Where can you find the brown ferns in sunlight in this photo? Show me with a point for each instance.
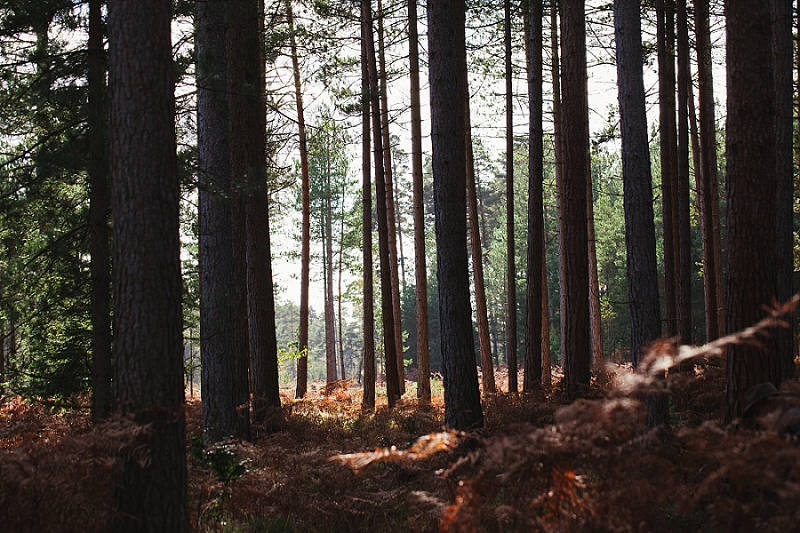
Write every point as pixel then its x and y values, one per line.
pixel 425 447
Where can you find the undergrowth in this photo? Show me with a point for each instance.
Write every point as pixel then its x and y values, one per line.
pixel 538 465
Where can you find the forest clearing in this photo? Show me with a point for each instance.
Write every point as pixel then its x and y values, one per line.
pixel 539 464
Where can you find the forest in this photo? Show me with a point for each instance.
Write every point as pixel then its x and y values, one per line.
pixel 388 265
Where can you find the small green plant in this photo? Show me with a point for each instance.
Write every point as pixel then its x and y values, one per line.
pixel 219 458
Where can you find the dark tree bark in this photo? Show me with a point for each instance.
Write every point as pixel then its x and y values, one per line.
pixel 684 240
pixel 533 304
pixel 708 184
pixel 750 146
pixel 511 268
pixel 387 308
pixel 216 252
pixel 394 259
pixel 448 87
pixel 102 395
pixel 305 239
pixel 331 373
pixel 420 266
pixel 782 57
pixel 665 43
pixel 558 149
pixel 368 326
pixel 487 368
pixel 573 256
pixel 595 318
pixel 640 231
pixel 247 141
pixel 147 286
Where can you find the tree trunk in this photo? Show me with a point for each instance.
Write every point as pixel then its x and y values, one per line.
pixel 573 259
pixel 102 395
pixel 331 373
pixel 547 366
pixel 533 303
pixel 782 57
pixel 305 239
pixel 666 90
pixel 640 231
pixel 707 185
pixel 558 149
pixel 511 268
pixel 247 138
pixel 487 368
pixel 214 213
pixel 595 317
pixel 148 323
pixel 750 147
pixel 368 324
pixel 387 308
pixel 449 97
pixel 394 262
pixel 420 260
pixel 684 240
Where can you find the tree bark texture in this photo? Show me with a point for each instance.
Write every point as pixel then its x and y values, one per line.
pixel 102 394
pixel 420 260
pixel 394 259
pixel 665 43
pixel 684 240
pixel 305 239
pixel 247 141
pixel 214 212
pixel 147 288
pixel 487 368
pixel 573 257
pixel 782 64
pixel 640 232
pixel 533 304
pixel 387 307
pixel 708 184
pixel 368 326
pixel 640 235
pixel 448 87
pixel 511 268
pixel 750 147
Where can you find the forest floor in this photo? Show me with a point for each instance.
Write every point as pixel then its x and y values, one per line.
pixel 537 465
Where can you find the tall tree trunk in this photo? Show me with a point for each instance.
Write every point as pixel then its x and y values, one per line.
pixel 684 240
pixel 750 147
pixel 558 149
pixel 331 373
pixel 640 231
pixel 339 290
pixel 573 259
pixel 148 323
pixel 595 315
pixel 368 324
pixel 707 185
pixel 387 308
pixel 305 239
pixel 533 304
pixel 782 57
pixel 487 368
pixel 449 97
pixel 420 260
pixel 511 267
pixel 665 44
pixel 102 394
pixel 394 262
pixel 248 140
pixel 214 213
pixel 547 366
